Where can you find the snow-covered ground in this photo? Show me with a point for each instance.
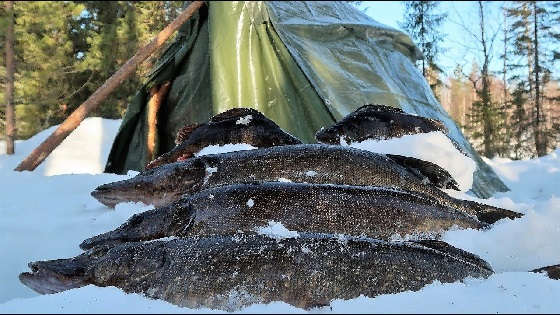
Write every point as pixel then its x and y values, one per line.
pixel 46 217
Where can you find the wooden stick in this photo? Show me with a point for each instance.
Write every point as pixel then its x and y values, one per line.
pixel 39 154
pixel 157 96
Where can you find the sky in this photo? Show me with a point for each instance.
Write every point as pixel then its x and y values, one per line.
pixel 459 12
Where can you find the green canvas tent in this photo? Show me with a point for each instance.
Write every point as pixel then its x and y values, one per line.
pixel 304 65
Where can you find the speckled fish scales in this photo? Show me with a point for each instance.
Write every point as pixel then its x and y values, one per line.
pixel 372 211
pixel 230 272
pixel 378 122
pixel 237 125
pixel 312 163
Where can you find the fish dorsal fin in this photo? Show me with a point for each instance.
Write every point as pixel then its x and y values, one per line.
pixel 379 107
pixel 184 133
pixel 234 113
pixel 435 174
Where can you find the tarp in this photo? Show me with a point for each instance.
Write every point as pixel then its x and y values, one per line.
pixel 304 65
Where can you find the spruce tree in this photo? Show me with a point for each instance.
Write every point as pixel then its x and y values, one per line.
pixel 535 41
pixel 422 23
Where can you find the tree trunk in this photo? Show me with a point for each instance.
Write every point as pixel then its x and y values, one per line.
pixel 540 143
pixel 40 153
pixel 488 124
pixel 10 69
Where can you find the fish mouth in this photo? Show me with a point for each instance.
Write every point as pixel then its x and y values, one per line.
pixel 114 193
pixel 49 277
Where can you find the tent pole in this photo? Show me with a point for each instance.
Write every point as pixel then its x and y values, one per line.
pixel 157 96
pixel 40 153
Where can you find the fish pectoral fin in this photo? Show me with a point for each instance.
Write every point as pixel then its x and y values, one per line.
pixel 184 133
pixel 437 175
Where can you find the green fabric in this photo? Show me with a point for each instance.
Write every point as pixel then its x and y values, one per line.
pixel 185 63
pixel 251 67
pixel 304 65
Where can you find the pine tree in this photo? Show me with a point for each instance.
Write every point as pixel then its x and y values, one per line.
pixel 46 63
pixel 422 23
pixel 519 122
pixel 532 35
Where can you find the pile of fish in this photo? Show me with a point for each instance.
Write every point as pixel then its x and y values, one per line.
pixel 345 213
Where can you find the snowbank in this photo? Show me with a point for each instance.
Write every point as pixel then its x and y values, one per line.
pixel 434 147
pixel 84 151
pixel 46 217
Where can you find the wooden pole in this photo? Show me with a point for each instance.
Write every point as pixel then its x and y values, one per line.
pixel 39 154
pixel 157 96
pixel 10 69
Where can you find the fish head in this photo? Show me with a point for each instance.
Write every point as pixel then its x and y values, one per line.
pixel 158 186
pixel 53 276
pixel 341 133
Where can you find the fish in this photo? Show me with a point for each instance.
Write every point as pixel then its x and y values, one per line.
pixel 230 272
pixel 378 122
pixel 553 272
pixel 312 163
pixel 237 125
pixel 377 212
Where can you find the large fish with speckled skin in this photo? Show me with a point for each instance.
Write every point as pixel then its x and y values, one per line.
pixel 231 272
pixel 378 122
pixel 237 125
pixel 553 272
pixel 376 212
pixel 312 163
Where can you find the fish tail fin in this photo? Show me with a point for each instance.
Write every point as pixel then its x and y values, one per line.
pixel 490 214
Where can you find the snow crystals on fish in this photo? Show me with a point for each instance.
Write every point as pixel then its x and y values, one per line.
pixel 310 173
pixel 244 120
pixel 230 147
pixel 250 203
pixel 277 231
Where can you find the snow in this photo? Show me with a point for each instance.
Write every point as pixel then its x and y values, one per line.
pixel 531 241
pixel 244 120
pixel 284 180
pixel 94 136
pixel 230 147
pixel 434 147
pixel 277 231
pixel 310 173
pixel 250 203
pixel 47 213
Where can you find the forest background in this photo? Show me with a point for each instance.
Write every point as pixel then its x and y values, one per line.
pixel 506 98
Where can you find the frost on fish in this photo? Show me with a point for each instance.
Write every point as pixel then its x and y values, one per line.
pixel 311 173
pixel 229 147
pixel 276 231
pixel 250 203
pixel 244 120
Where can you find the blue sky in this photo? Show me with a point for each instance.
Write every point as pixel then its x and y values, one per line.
pixel 457 39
